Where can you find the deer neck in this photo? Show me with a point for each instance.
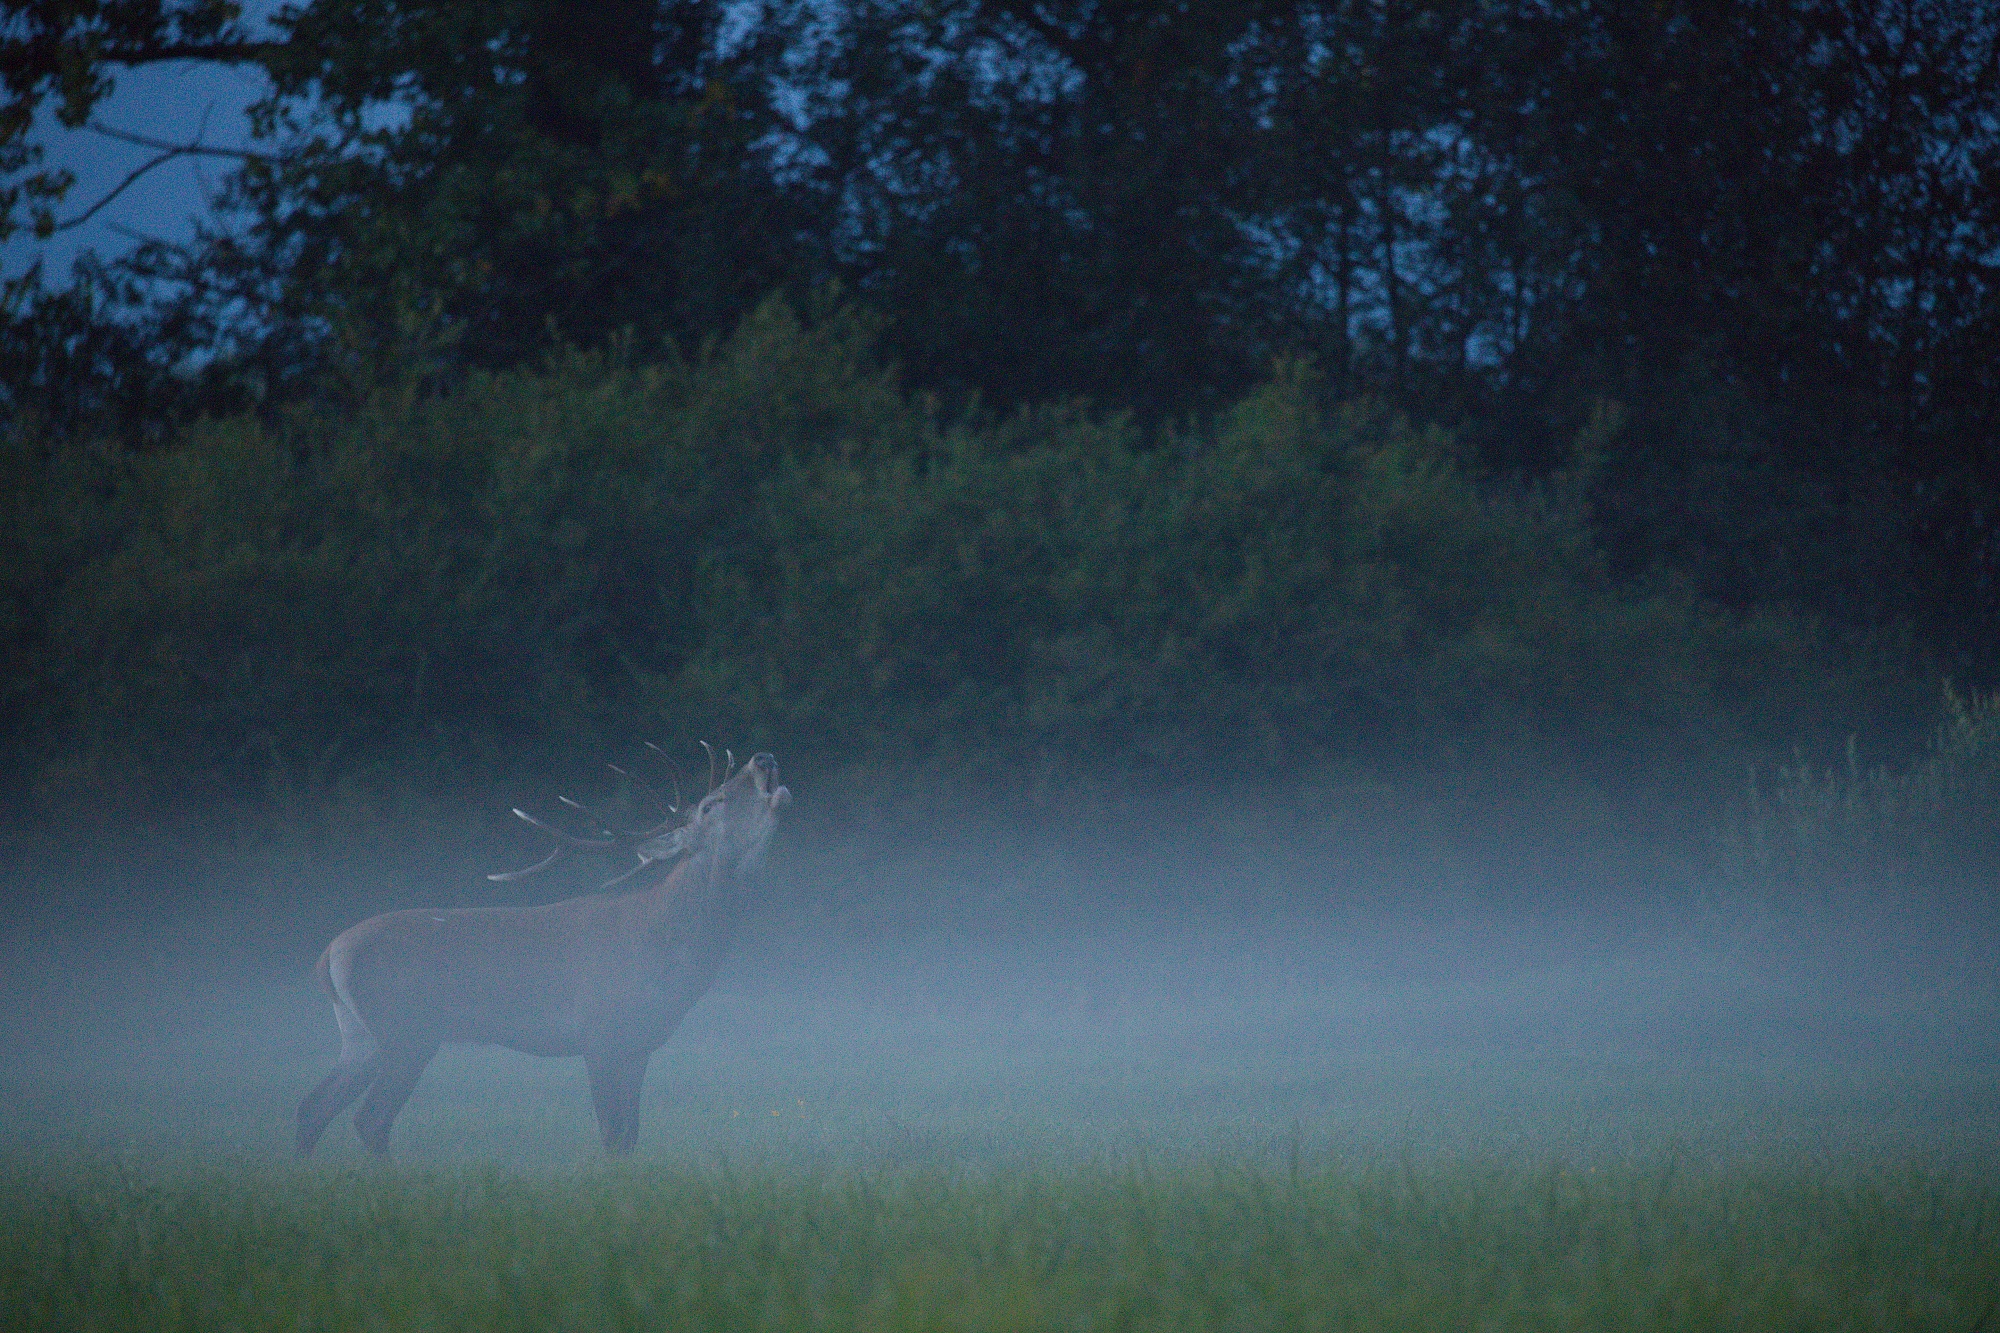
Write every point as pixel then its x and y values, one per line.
pixel 696 903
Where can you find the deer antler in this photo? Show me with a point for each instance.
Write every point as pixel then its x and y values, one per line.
pixel 661 842
pixel 504 876
pixel 673 807
pixel 564 842
pixel 644 844
pixel 673 769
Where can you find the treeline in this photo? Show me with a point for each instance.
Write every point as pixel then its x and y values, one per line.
pixel 1766 228
pixel 413 590
pixel 1365 386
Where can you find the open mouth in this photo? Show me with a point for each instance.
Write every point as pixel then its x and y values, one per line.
pixel 764 771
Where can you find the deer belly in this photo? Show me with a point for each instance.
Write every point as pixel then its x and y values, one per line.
pixel 565 1013
pixel 540 1024
pixel 450 977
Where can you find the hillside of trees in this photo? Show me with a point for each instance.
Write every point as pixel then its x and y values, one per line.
pixel 1013 396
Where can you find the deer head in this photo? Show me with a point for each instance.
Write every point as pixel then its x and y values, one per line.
pixel 733 821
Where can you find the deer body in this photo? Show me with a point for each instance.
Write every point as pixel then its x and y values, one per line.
pixel 607 977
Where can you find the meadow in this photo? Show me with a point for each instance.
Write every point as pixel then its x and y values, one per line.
pixel 1213 1243
pixel 1430 1116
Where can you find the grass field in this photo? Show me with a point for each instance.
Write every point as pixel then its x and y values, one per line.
pixel 1198 1122
pixel 1214 1243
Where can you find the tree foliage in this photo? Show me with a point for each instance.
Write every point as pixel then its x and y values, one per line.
pixel 776 541
pixel 1765 232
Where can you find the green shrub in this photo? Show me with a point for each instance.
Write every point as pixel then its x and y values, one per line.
pixel 1805 833
pixel 774 545
pixel 55 516
pixel 1058 597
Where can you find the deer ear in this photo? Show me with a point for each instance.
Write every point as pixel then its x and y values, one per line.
pixel 669 845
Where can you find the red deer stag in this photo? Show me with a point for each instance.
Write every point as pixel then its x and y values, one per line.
pixel 607 977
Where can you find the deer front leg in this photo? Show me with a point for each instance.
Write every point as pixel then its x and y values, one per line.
pixel 615 1083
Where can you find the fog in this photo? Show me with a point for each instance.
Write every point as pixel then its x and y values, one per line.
pixel 967 1008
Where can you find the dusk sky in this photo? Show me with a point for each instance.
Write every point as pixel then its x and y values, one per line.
pixel 165 102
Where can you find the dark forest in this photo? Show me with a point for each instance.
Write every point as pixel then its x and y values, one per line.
pixel 1015 389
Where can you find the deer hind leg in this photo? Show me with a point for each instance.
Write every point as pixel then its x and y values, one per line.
pixel 358 1065
pixel 329 1099
pixel 615 1083
pixel 395 1081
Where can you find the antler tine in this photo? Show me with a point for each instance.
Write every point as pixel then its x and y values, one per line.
pixel 564 841
pixel 539 866
pixel 729 772
pixel 673 807
pixel 711 764
pixel 674 770
pixel 567 839
pixel 673 811
pixel 620 879
pixel 618 835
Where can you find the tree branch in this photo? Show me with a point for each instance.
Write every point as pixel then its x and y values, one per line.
pixel 169 151
pixel 228 53
pixel 116 190
pixel 194 146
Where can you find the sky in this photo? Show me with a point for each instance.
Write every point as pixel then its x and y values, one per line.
pixel 173 102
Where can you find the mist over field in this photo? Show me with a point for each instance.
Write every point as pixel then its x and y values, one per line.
pixel 1198 1065
pixel 1382 624
pixel 964 1011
